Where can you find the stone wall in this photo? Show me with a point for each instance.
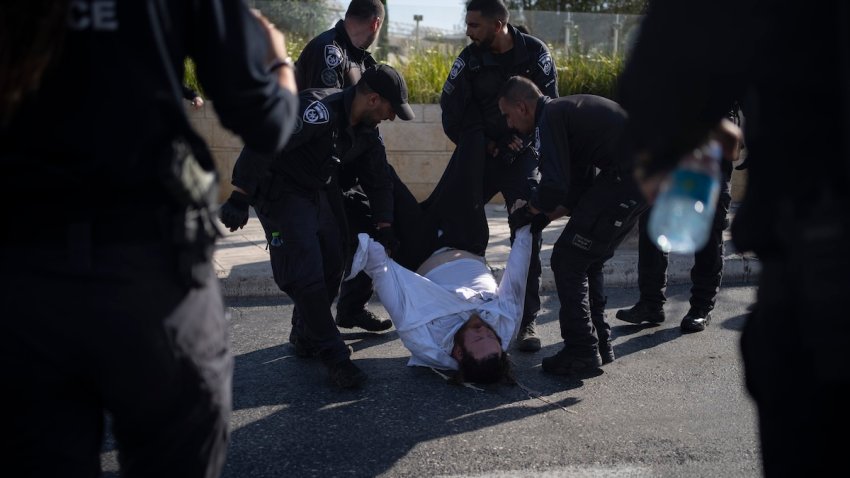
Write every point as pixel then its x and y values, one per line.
pixel 417 149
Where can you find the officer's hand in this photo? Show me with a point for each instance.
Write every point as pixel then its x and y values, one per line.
pixel 539 222
pixel 520 217
pixel 234 212
pixel 386 236
pixel 507 149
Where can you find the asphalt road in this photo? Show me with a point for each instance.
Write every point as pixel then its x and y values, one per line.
pixel 671 405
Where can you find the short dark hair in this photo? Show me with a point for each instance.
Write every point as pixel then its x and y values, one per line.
pixel 365 9
pixel 493 369
pixel 520 88
pixel 494 9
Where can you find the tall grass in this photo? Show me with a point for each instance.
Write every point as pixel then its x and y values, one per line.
pixel 425 72
pixel 586 74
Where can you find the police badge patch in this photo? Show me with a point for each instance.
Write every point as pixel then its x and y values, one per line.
pixel 582 242
pixel 545 62
pixel 329 77
pixel 457 67
pixel 333 56
pixel 316 113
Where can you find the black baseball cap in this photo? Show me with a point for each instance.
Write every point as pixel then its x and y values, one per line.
pixel 388 83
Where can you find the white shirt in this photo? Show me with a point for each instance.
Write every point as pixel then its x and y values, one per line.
pixel 428 311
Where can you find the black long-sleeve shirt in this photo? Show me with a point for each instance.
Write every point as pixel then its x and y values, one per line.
pixel 576 134
pixel 330 60
pixel 476 77
pixel 790 65
pixel 81 139
pixel 323 142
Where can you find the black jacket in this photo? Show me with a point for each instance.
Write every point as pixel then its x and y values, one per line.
pixel 330 60
pixel 83 140
pixel 575 134
pixel 797 150
pixel 322 142
pixel 470 94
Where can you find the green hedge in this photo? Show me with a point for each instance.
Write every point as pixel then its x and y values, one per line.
pixel 426 71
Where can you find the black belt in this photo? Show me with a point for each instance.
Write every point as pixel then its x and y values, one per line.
pixel 130 227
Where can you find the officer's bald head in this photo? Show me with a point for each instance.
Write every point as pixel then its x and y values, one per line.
pixel 520 88
pixel 365 10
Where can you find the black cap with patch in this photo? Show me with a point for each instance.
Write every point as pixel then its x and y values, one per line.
pixel 388 83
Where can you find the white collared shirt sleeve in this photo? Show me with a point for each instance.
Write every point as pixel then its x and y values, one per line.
pixel 511 291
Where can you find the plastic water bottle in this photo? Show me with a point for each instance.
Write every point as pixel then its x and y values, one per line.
pixel 276 240
pixel 681 218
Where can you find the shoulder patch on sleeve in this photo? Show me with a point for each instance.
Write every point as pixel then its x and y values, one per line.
pixel 457 67
pixel 333 56
pixel 545 62
pixel 316 113
pixel 329 77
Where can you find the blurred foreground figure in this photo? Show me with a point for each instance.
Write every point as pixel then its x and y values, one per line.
pixel 691 60
pixel 110 302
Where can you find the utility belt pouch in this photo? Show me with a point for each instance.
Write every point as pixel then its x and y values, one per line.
pixel 193 187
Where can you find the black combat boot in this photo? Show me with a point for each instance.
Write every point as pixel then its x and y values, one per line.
pixel 642 312
pixel 696 320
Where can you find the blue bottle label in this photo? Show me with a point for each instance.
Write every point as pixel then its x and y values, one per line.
pixel 692 184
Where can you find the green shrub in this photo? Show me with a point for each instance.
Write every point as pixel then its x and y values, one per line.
pixel 595 75
pixel 426 71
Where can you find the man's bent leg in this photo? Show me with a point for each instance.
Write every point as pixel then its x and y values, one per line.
pixel 652 280
pixel 598 300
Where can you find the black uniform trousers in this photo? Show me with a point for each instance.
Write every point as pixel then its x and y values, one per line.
pixel 96 320
pixel 600 221
pixel 707 271
pixel 308 263
pixel 794 343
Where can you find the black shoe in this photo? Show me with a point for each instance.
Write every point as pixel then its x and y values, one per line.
pixel 641 312
pixel 306 349
pixel 346 375
pixel 364 319
pixel 527 339
pixel 303 347
pixel 696 320
pixel 567 363
pixel 606 352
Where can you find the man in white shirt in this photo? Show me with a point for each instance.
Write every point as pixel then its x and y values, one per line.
pixel 451 314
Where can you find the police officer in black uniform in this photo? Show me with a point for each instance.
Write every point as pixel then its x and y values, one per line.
pixel 300 203
pixel 469 100
pixel 706 273
pixel 577 134
pixel 794 215
pixel 110 303
pixel 336 59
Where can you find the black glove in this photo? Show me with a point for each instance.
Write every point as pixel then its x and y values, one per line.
pixel 520 217
pixel 523 215
pixel 234 212
pixel 539 222
pixel 386 236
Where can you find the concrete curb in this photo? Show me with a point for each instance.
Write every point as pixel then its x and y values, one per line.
pixel 242 264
